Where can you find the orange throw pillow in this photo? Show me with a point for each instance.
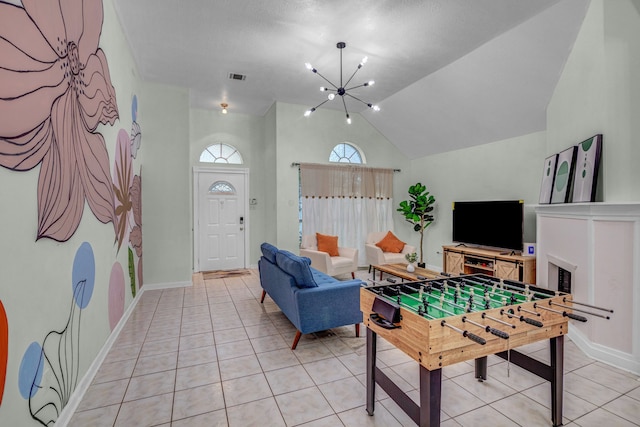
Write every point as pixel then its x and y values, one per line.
pixel 328 244
pixel 390 243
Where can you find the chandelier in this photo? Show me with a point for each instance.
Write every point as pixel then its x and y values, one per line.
pixel 341 90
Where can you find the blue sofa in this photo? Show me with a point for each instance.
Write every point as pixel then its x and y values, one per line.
pixel 311 300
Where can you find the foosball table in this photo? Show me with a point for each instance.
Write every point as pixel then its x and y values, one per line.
pixel 443 321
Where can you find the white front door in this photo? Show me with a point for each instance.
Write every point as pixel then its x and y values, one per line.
pixel 221 221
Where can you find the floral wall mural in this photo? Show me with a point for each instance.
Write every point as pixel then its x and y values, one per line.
pixel 58 109
pixel 54 91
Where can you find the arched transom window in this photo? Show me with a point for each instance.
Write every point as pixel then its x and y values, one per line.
pixel 222 188
pixel 345 153
pixel 221 153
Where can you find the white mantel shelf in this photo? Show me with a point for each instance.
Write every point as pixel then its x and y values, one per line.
pixel 600 244
pixel 629 209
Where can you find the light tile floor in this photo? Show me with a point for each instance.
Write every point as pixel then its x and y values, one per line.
pixel 212 355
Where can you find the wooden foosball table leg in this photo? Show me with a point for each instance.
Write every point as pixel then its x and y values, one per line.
pixel 424 415
pixel 371 368
pixel 557 370
pixel 481 368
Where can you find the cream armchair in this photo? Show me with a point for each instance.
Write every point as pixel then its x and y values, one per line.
pixel 375 256
pixel 347 262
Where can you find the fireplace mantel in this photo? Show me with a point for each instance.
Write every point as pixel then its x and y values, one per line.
pixel 601 244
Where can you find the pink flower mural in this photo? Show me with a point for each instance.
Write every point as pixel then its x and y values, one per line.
pixel 135 237
pixel 55 90
pixel 122 183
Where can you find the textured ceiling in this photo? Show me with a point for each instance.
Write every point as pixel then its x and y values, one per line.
pixel 443 60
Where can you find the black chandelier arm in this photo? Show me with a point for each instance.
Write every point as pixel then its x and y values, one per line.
pixel 355 87
pixel 357 99
pixel 352 75
pixel 325 79
pixel 320 105
pixel 345 106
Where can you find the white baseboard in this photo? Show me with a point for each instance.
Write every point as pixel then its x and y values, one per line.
pixel 83 385
pixel 610 356
pixel 166 285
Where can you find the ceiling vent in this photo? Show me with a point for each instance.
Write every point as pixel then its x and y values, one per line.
pixel 234 76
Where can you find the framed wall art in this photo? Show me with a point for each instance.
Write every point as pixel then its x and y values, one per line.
pixel 548 175
pixel 564 175
pixel 587 169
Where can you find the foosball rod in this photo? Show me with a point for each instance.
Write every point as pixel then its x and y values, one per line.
pixel 466 334
pixel 564 313
pixel 587 305
pixel 528 320
pixel 496 332
pixel 486 328
pixel 580 310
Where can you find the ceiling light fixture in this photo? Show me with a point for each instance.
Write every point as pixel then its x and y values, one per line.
pixel 224 107
pixel 341 90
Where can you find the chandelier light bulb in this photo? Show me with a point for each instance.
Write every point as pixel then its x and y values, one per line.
pixel 322 89
pixel 308 65
pixel 348 120
pixel 371 82
pixel 376 108
pixel 331 96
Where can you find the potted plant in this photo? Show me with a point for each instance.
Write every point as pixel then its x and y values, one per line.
pixel 411 259
pixel 417 211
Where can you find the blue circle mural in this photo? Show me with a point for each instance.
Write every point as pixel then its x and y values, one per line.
pixel 134 108
pixel 31 369
pixel 83 275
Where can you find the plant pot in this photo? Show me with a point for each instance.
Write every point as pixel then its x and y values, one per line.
pixel 421 265
pixel 411 268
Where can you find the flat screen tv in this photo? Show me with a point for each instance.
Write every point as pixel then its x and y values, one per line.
pixel 496 224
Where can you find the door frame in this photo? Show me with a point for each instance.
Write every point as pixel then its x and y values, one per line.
pixel 197 171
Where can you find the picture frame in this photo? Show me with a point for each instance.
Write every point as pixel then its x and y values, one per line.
pixel 548 176
pixel 587 169
pixel 563 177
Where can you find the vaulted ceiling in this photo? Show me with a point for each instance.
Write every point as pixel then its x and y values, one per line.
pixel 448 74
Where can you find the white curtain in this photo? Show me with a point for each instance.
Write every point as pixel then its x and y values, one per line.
pixel 346 201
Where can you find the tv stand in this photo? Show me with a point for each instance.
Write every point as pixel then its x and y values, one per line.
pixel 458 260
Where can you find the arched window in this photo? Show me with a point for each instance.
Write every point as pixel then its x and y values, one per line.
pixel 221 153
pixel 222 188
pixel 346 153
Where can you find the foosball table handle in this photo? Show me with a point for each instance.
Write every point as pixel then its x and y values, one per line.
pixel 530 321
pixel 499 333
pixel 474 337
pixel 575 317
pixel 382 322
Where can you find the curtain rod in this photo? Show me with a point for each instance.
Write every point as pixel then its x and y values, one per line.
pixel 296 164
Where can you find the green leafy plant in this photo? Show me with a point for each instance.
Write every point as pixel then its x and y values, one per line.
pixel 411 258
pixel 417 211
